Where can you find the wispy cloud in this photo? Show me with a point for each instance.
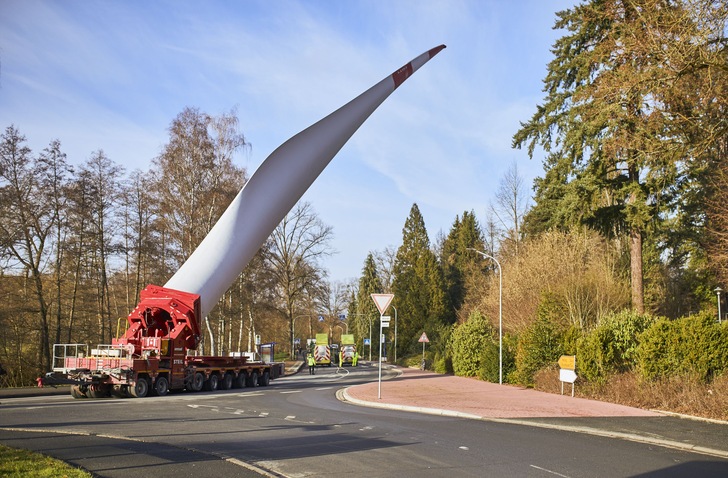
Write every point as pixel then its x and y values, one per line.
pixel 112 75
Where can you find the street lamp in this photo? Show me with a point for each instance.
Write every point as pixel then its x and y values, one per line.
pixel 500 312
pixel 718 290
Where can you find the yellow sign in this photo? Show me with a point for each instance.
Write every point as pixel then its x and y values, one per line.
pixel 567 362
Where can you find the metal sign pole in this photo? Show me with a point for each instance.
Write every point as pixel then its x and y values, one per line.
pixel 379 392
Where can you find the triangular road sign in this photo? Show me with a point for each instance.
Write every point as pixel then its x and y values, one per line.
pixel 423 338
pixel 382 301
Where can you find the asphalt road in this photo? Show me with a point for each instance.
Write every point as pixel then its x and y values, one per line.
pixel 296 427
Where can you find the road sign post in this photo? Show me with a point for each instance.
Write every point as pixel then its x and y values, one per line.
pixel 424 340
pixel 382 301
pixel 567 372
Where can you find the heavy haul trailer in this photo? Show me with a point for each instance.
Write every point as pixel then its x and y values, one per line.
pixel 152 357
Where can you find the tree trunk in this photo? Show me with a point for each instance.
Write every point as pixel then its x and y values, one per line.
pixel 638 295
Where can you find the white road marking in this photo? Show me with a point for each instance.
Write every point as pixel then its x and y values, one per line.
pixel 549 471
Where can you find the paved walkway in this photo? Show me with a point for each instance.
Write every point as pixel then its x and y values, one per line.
pixel 447 395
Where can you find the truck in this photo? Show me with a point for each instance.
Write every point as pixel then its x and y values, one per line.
pixel 347 349
pixel 154 355
pixel 322 351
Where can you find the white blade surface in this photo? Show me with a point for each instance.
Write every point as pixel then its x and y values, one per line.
pixel 274 189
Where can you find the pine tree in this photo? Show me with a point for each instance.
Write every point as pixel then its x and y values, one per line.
pixel 613 121
pixel 418 286
pixel 458 262
pixel 365 315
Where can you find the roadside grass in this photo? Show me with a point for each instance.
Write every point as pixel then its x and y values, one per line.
pixel 684 395
pixel 16 463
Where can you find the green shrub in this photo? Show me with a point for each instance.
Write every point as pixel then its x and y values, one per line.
pixel 695 345
pixel 539 345
pixel 611 347
pixel 490 364
pixel 467 343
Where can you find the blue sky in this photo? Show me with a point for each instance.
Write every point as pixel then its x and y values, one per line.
pixel 112 75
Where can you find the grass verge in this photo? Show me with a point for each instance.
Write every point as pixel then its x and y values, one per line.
pixel 22 463
pixel 685 395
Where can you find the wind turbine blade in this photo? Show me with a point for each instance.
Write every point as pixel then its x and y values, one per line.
pixel 274 189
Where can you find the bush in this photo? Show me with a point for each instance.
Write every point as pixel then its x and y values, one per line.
pixel 539 345
pixel 695 345
pixel 467 343
pixel 490 364
pixel 611 347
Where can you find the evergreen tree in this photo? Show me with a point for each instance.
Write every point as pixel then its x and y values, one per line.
pixel 363 312
pixel 612 123
pixel 458 262
pixel 418 286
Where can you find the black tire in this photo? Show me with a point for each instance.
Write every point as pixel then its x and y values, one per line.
pixel 161 386
pixel 212 382
pixel 264 379
pixel 140 388
pixel 198 381
pixel 98 391
pixel 119 391
pixel 252 379
pixel 77 393
pixel 226 382
pixel 239 381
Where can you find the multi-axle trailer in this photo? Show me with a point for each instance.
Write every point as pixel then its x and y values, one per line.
pixel 152 357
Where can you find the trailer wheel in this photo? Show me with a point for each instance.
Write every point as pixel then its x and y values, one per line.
pixel 76 392
pixel 226 383
pixel 119 391
pixel 212 382
pixel 252 380
pixel 198 380
pixel 161 386
pixel 264 379
pixel 140 389
pixel 239 380
pixel 98 391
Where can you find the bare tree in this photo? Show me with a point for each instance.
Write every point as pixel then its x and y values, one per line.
pixel 102 177
pixel 55 182
pixel 196 176
pixel 511 205
pixel 293 252
pixel 26 221
pixel 384 261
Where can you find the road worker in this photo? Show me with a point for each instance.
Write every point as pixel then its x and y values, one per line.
pixel 355 359
pixel 311 364
pixel 341 358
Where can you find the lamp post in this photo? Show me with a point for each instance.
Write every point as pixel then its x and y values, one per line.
pixel 395 334
pixel 500 312
pixel 718 290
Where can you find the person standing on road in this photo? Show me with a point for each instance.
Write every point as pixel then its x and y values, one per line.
pixel 355 359
pixel 311 365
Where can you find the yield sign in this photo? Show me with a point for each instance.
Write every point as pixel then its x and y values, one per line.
pixel 423 338
pixel 382 301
